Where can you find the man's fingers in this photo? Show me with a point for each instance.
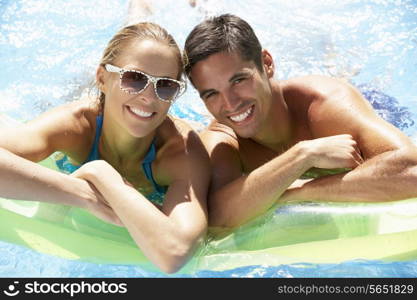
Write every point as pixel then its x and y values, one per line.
pixel 357 155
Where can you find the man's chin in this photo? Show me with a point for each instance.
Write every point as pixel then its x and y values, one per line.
pixel 247 130
pixel 244 133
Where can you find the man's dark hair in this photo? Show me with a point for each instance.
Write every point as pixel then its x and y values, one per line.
pixel 224 33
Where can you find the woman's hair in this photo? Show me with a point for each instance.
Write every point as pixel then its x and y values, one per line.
pixel 137 32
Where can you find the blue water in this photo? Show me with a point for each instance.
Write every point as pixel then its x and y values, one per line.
pixel 16 261
pixel 48 56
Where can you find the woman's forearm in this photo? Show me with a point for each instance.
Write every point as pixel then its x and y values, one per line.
pixel 159 237
pixel 25 180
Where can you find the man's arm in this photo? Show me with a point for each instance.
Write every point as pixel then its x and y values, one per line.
pixel 389 171
pixel 235 197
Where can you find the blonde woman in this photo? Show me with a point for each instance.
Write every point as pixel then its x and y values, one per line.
pixel 132 163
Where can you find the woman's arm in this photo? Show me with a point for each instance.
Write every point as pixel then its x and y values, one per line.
pixel 168 236
pixel 22 178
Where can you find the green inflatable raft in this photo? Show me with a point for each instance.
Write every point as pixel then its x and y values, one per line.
pixel 304 232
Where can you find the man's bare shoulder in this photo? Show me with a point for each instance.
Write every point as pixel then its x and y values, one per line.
pixel 319 86
pixel 326 97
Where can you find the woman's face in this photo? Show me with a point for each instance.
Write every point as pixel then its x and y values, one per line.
pixel 141 113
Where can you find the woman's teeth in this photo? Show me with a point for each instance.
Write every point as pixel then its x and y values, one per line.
pixel 140 112
pixel 242 116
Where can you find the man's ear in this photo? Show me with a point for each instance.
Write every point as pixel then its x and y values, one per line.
pixel 268 63
pixel 100 78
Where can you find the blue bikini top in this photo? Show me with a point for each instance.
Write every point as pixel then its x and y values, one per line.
pixel 157 196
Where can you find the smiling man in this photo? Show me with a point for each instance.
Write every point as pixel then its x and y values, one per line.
pixel 270 132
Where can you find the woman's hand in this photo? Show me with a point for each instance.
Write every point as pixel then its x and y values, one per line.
pixel 99 207
pixel 96 203
pixel 98 172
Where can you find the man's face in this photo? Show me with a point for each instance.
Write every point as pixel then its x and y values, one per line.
pixel 234 91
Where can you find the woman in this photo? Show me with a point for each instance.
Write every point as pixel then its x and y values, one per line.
pixel 129 150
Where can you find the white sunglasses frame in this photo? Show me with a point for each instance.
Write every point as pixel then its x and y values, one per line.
pixel 113 69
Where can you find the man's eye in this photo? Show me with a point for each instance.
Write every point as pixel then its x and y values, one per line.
pixel 208 96
pixel 238 80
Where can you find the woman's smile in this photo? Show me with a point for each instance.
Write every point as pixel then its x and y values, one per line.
pixel 140 113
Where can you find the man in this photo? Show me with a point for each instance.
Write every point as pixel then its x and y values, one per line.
pixel 269 132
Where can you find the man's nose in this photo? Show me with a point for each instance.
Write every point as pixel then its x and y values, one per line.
pixel 230 102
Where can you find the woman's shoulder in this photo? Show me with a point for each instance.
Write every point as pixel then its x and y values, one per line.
pixel 80 111
pixel 178 138
pixel 175 132
pixel 179 145
pixel 72 117
pixel 178 124
pixel 70 126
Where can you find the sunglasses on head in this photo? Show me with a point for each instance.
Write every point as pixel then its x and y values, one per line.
pixel 134 82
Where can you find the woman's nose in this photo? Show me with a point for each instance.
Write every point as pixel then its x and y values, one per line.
pixel 148 94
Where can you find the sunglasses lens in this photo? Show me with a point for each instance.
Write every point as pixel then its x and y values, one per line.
pixel 133 82
pixel 167 89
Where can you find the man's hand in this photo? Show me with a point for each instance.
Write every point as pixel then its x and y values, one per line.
pixel 333 152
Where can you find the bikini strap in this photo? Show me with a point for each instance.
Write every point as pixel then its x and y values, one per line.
pixel 147 167
pixel 147 162
pixel 94 154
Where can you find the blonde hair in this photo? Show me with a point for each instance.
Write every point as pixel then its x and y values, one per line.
pixel 139 31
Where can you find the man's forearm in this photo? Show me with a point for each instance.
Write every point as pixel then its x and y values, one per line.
pixel 253 194
pixel 386 177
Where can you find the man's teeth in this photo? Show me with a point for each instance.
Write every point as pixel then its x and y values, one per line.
pixel 242 116
pixel 140 112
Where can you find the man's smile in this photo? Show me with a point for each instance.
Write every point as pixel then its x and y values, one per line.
pixel 240 117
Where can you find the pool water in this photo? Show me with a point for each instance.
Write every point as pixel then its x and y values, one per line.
pixel 48 56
